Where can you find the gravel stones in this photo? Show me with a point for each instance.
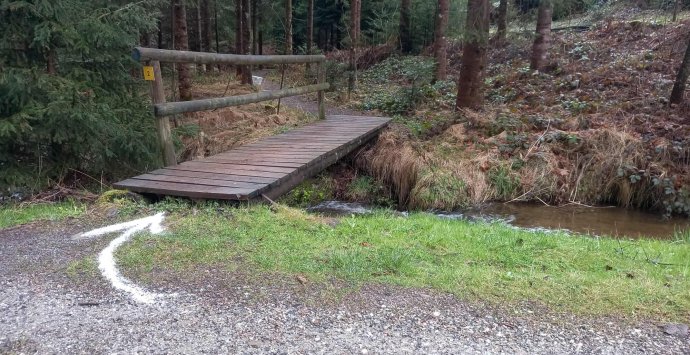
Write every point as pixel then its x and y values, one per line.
pixel 43 310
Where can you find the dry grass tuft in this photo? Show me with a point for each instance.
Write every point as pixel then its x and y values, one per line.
pixel 541 177
pixel 222 129
pixel 393 160
pixel 602 173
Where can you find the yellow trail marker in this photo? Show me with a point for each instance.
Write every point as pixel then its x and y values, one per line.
pixel 148 73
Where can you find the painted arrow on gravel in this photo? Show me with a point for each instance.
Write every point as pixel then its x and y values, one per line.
pixel 106 258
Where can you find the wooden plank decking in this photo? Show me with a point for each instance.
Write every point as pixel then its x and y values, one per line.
pixel 270 167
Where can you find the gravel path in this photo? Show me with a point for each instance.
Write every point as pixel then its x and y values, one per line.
pixel 45 310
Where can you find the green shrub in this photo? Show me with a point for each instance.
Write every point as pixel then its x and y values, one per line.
pixel 417 70
pixel 68 100
pixel 311 192
pixel 401 101
pixel 399 85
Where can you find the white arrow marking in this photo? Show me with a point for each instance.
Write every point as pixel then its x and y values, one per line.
pixel 106 258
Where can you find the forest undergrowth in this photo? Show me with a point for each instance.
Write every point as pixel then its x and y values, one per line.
pixel 594 128
pixel 205 133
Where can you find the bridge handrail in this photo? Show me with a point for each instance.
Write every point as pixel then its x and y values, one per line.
pixel 152 57
pixel 142 54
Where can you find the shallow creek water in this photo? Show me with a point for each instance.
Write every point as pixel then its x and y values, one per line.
pixel 600 221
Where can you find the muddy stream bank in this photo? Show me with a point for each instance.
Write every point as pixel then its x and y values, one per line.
pixel 595 221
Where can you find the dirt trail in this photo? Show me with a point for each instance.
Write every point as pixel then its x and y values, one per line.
pixel 304 103
pixel 44 309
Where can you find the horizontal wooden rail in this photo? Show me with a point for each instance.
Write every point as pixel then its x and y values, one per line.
pixel 173 108
pixel 152 58
pixel 143 54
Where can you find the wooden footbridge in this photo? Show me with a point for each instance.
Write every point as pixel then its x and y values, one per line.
pixel 267 168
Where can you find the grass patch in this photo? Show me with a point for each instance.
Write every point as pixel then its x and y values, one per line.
pixel 85 267
pixel 16 214
pixel 311 192
pixel 477 261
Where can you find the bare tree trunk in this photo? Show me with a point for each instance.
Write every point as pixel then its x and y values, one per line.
pixel 440 45
pixel 355 23
pixel 288 26
pixel 238 35
pixel 246 76
pixel 160 35
pixel 683 73
pixel 205 26
pixel 261 42
pixel 182 44
pixel 331 36
pixel 215 26
pixel 310 29
pixel 471 83
pixel 199 37
pixel 145 39
pixel 540 49
pixel 405 30
pixel 676 8
pixel 254 25
pixel 51 61
pixel 258 31
pixel 502 20
pixel 338 43
pixel 310 25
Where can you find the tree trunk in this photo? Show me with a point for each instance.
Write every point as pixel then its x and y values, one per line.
pixel 440 46
pixel 540 49
pixel 288 26
pixel 199 37
pixel 182 44
pixel 51 61
pixel 355 23
pixel 310 25
pixel 405 30
pixel 331 36
pixel 261 42
pixel 254 25
pixel 502 22
pixel 205 26
pixel 470 84
pixel 160 34
pixel 676 8
pixel 145 39
pixel 238 35
pixel 683 73
pixel 215 26
pixel 245 70
pixel 338 37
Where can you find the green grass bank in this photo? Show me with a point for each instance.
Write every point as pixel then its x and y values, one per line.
pixel 474 261
pixel 17 214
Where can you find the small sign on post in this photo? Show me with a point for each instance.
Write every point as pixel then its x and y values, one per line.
pixel 148 73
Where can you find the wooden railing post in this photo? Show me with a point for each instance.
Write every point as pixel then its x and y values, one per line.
pixel 162 122
pixel 321 78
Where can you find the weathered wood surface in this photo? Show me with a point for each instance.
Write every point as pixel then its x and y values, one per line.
pixel 174 108
pixel 172 56
pixel 269 167
pixel 162 123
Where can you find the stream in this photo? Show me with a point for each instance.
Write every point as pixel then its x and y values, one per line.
pixel 597 221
